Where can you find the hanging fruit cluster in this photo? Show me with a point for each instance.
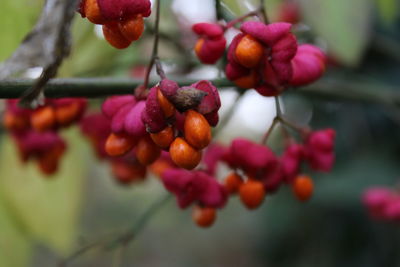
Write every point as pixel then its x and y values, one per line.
pixel 265 57
pixel 256 172
pixel 122 21
pixel 166 129
pixel 382 203
pixel 36 131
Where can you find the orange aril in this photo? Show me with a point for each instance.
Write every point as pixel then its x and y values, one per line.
pixel 14 122
pixel 159 166
pixel 183 154
pixel 197 130
pixel 303 187
pixel 204 216
pixel 147 151
pixel 92 12
pixel 249 51
pixel 198 46
pixel 119 144
pixel 163 138
pixel 232 182
pixel 166 106
pixel 248 81
pixel 114 36
pixel 132 28
pixel 66 114
pixel 43 119
pixel 252 193
pixel 126 173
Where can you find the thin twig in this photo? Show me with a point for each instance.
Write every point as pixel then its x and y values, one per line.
pixel 119 256
pixel 218 9
pixel 229 113
pixel 240 19
pixel 159 68
pixel 278 106
pixel 123 239
pixel 263 12
pixel 279 118
pixel 292 125
pixel 154 53
pixel 271 128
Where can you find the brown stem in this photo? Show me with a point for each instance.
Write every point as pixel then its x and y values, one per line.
pixel 240 19
pixel 154 53
pixel 271 128
pixel 224 120
pixel 278 106
pixel 263 12
pixel 123 239
pixel 279 118
pixel 159 68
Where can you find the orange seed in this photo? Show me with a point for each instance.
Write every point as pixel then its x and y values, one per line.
pixel 249 51
pixel 163 138
pixel 183 154
pixel 197 130
pixel 147 151
pixel 252 193
pixel 303 187
pixel 204 216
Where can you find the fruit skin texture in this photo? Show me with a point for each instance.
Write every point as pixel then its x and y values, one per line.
pixel 197 130
pixel 184 155
pixel 204 216
pixel 146 151
pixel 249 51
pixel 211 44
pixel 191 187
pixel 319 149
pixel 132 28
pixel 303 187
pixel 248 81
pixel 14 122
pixel 118 144
pixel 114 36
pixel 233 182
pixel 164 138
pixel 252 193
pixel 66 114
pixel 92 12
pixel 43 119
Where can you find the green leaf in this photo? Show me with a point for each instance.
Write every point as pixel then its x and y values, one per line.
pixel 388 10
pixel 345 25
pixel 47 207
pixel 15 248
pixel 17 17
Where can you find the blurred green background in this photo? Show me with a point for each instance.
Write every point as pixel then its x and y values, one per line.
pixel 43 220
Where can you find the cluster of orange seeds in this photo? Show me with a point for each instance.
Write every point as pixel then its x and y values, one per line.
pixel 120 32
pixel 185 151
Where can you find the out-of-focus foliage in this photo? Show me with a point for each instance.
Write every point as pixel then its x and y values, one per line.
pixel 46 209
pixel 15 248
pixel 16 20
pixel 344 25
pixel 388 10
